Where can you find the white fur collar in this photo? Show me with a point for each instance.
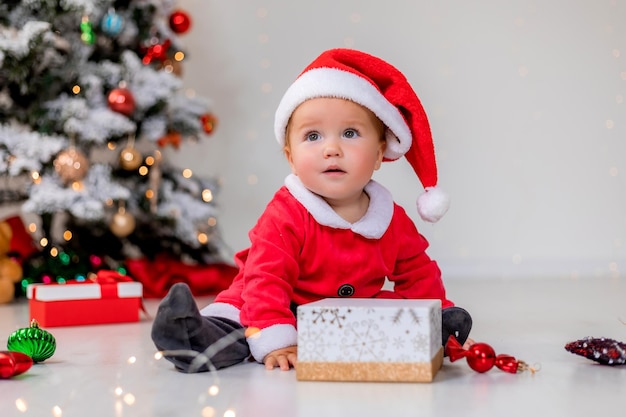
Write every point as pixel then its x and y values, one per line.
pixel 372 226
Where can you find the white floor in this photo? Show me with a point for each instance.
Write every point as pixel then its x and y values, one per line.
pixel 93 373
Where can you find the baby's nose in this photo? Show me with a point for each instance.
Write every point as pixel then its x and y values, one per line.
pixel 332 148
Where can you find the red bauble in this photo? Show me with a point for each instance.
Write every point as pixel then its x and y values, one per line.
pixel 173 138
pixel 14 363
pixel 209 122
pixel 180 22
pixel 157 52
pixel 481 357
pixel 121 100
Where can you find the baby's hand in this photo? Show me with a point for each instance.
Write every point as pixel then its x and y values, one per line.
pixel 283 358
pixel 469 342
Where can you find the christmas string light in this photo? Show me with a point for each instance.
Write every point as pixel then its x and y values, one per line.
pixel 154 181
pixel 88 35
pixel 204 358
pixel 201 359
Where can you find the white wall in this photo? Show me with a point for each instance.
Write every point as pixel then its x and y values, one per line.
pixel 525 99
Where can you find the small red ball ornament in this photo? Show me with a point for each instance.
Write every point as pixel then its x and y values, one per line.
pixel 180 22
pixel 121 100
pixel 157 52
pixel 172 138
pixel 209 122
pixel 481 357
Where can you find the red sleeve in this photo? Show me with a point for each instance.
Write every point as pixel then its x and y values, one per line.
pixel 415 275
pixel 272 268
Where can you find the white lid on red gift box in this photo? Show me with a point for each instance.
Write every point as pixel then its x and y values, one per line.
pixel 81 291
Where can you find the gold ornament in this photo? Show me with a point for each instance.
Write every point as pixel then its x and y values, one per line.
pixel 71 165
pixel 130 159
pixel 123 223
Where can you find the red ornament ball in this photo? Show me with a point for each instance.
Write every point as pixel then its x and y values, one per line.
pixel 209 122
pixel 180 22
pixel 157 52
pixel 481 357
pixel 121 100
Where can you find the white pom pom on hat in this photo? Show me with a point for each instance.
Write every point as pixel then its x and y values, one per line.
pixel 433 204
pixel 384 90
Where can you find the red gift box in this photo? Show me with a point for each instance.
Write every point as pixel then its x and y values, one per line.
pixel 109 298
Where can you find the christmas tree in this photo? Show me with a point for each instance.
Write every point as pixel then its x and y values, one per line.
pixel 90 94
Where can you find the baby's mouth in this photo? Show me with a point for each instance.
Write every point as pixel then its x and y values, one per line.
pixel 331 170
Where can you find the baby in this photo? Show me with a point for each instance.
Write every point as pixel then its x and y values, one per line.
pixel 330 231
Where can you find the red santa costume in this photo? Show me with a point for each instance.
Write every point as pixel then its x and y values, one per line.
pixel 302 251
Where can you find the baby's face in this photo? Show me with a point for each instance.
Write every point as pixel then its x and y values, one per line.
pixel 334 146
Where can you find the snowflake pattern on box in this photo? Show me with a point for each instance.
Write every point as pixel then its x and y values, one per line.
pixel 361 330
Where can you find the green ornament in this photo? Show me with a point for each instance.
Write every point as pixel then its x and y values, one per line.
pixel 33 341
pixel 88 37
pixel 87 34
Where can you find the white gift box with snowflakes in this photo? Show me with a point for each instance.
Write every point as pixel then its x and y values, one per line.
pixel 352 339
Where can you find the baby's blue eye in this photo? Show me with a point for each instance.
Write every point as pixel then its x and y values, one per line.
pixel 350 134
pixel 312 137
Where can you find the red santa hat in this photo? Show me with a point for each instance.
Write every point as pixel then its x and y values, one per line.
pixel 380 87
